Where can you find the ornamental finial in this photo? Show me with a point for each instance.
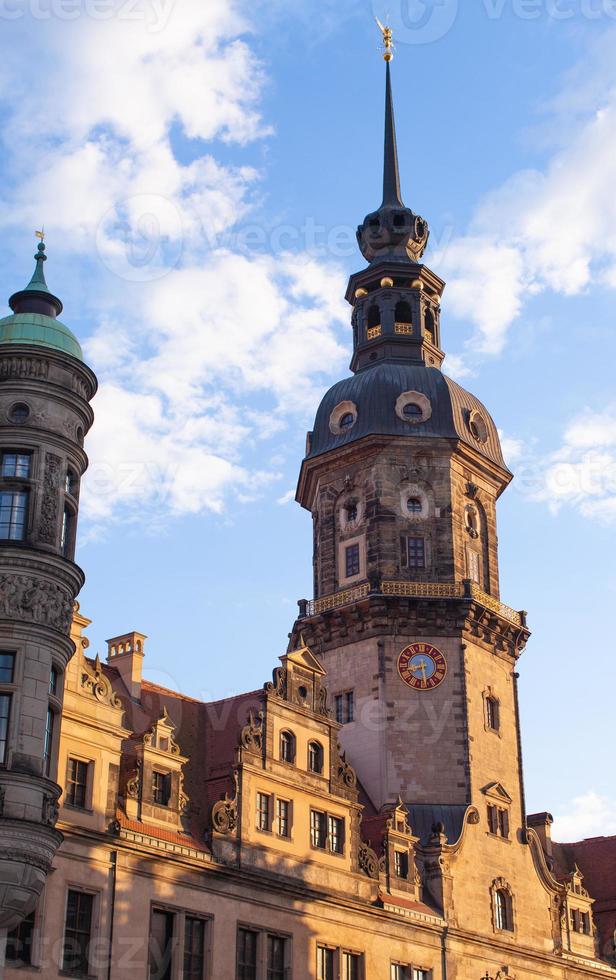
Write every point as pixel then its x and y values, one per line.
pixel 388 44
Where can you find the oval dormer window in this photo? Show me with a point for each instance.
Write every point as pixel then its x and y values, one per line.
pixel 478 427
pixel 343 418
pixel 413 407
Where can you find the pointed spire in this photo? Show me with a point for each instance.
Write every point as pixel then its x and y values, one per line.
pixel 37 297
pixel 391 172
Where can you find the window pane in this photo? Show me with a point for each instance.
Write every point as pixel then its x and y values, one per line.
pixel 325 963
pixel 161 945
pixel 5 712
pixel 350 705
pixel 77 932
pixel 77 783
pixel 336 834
pixel 194 938
pixel 282 817
pixel 417 553
pixel 339 704
pixel 161 788
pixel 13 509
pixel 317 829
pixel 352 560
pixel 16 464
pixel 19 941
pixel 263 811
pixel 275 957
pixel 315 757
pixel 49 727
pixel 246 954
pixel 7 667
pixel 351 965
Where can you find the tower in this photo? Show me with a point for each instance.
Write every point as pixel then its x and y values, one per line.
pixel 402 473
pixel 45 390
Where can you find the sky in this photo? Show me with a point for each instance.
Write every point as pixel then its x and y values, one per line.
pixel 200 169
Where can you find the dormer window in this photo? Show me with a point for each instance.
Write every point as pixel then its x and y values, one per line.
pixel 412 411
pixel 287 747
pixel 347 421
pixel 315 757
pixel 161 788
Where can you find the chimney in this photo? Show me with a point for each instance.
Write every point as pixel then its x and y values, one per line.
pixel 542 825
pixel 125 653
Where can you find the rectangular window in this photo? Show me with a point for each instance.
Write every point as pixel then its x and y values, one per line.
pixel 53 682
pixel 16 465
pixel 401 864
pixel 161 788
pixel 263 811
pixel 351 966
pixel 335 829
pixel 66 533
pixel 503 823
pixel 344 707
pixel 283 823
pixel 160 953
pixel 194 948
pixel 5 714
pixel 318 831
pixel 400 972
pixel 326 963
pixel 351 559
pixel 492 819
pixel 48 747
pixel 247 945
pixel 19 941
pixel 276 955
pixel 7 667
pixel 586 923
pixel 13 510
pixel 422 974
pixel 416 553
pixel 492 714
pixel 77 783
pixel 77 933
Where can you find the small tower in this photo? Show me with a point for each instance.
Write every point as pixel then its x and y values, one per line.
pixel 45 391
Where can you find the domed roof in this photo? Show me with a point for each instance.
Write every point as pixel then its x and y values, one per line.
pixel 39 330
pixel 374 398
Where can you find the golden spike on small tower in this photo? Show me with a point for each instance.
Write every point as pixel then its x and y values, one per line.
pixel 388 43
pixel 40 234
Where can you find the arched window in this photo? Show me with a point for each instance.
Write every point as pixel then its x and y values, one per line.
pixel 503 910
pixel 429 324
pixel 374 317
pixel 315 757
pixel 414 506
pixel 287 747
pixel 403 313
pixel 412 411
pixel 492 714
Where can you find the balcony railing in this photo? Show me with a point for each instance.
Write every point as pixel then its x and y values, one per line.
pixel 414 590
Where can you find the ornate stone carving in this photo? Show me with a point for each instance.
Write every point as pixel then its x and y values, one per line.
pixel 322 700
pixel 48 527
pixel 99 685
pixel 23 367
pixel 278 684
pixel 368 861
pixel 133 786
pixel 224 812
pixel 252 733
pixel 346 773
pixel 49 810
pixel 35 600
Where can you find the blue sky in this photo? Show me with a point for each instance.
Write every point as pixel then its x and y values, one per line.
pixel 200 170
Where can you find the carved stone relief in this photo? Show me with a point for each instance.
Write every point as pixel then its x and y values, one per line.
pixel 35 600
pixel 48 528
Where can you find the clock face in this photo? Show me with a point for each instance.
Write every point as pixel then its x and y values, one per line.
pixel 422 666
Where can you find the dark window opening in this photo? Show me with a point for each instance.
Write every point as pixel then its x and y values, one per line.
pixel 7 667
pixel 194 948
pixel 351 966
pixel 283 810
pixel 412 411
pixel 493 714
pixel 5 714
pixel 351 560
pixel 347 421
pixel 414 505
pixel 19 941
pixel 77 933
pixel 247 944
pixel 161 788
pixel 161 945
pixel 351 512
pixel 335 834
pixel 403 313
pixel 401 864
pixel 19 413
pixel 374 317
pixel 67 534
pixel 315 757
pixel 416 553
pixel 318 829
pixel 77 783
pixel 276 954
pixel 48 745
pixel 326 963
pixel 71 483
pixel 263 811
pixel 287 747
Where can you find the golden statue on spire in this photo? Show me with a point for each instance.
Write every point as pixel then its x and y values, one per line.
pixel 388 43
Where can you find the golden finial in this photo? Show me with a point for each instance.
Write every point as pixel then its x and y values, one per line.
pixel 40 234
pixel 388 44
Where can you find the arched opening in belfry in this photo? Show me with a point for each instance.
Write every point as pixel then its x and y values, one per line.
pixel 429 321
pixel 404 314
pixel 374 317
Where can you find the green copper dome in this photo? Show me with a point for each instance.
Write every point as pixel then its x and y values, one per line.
pixel 34 318
pixel 43 331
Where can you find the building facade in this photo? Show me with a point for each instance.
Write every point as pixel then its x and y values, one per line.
pixel 362 816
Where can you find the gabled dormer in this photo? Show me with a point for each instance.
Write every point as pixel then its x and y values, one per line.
pixel 153 777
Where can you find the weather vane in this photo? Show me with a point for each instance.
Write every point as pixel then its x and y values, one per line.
pixel 41 234
pixel 388 44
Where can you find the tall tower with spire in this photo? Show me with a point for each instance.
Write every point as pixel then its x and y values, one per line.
pixel 45 391
pixel 402 474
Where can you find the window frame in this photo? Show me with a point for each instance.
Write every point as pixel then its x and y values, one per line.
pixel 19 504
pixel 263 814
pixel 166 787
pixel 18 961
pixel 94 895
pixel 260 969
pixel 315 750
pixel 87 785
pixel 286 821
pixel 180 915
pixel 347 705
pixel 287 738
pixel 416 563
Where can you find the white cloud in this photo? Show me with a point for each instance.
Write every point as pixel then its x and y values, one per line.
pixel 545 230
pixel 589 815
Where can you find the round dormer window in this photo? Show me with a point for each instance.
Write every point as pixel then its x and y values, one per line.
pixel 343 418
pixel 413 407
pixel 478 427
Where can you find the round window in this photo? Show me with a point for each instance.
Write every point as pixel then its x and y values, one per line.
pixel 19 413
pixel 413 407
pixel 478 427
pixel 347 421
pixel 414 505
pixel 343 418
